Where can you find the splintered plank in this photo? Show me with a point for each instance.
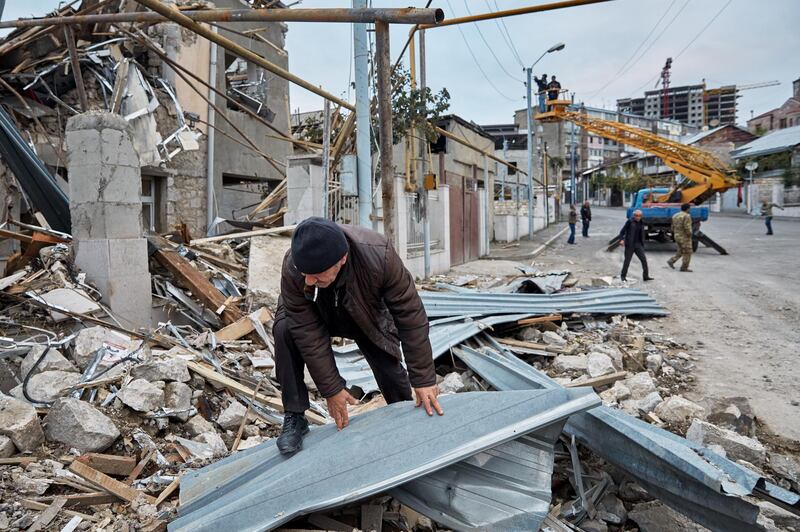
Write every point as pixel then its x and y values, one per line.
pixel 596 382
pixel 33 505
pixel 168 491
pixel 106 483
pixel 48 514
pixel 242 327
pixel 539 319
pixel 193 280
pixel 109 464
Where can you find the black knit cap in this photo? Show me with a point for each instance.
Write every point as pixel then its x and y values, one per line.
pixel 317 245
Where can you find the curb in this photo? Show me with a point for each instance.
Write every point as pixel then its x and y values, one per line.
pixel 552 239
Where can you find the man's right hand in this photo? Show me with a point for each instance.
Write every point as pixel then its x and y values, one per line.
pixel 337 407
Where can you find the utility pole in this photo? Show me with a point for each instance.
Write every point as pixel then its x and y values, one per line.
pixel 326 155
pixel 383 64
pixel 504 171
pixel 422 191
pixel 530 152
pixel 546 189
pixel 573 191
pixel 487 231
pixel 363 155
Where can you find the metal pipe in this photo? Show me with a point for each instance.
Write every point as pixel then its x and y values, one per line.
pixel 512 12
pixel 244 53
pixel 407 15
pixel 326 154
pixel 383 62
pixel 211 136
pixel 426 221
pixel 363 153
pixel 488 195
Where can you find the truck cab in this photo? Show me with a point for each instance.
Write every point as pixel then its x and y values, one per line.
pixel 659 213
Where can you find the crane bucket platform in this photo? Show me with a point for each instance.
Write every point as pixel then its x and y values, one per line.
pixel 705 174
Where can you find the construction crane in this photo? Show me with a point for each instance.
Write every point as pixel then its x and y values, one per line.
pixel 719 92
pixel 704 173
pixel 664 81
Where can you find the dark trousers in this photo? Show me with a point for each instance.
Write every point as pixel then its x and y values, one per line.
pixel 585 227
pixel 639 251
pixel 571 234
pixel 390 374
pixel 768 222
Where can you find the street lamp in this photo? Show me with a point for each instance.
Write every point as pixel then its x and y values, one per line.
pixel 555 48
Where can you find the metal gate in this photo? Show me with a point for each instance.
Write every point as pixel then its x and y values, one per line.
pixel 464 219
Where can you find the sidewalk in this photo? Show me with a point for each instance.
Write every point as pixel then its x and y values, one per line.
pixel 522 250
pixel 745 215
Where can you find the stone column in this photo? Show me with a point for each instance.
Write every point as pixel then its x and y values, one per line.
pixel 104 200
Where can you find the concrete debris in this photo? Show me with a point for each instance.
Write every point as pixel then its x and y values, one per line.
pixel 602 282
pixel 198 425
pixel 47 386
pixel 232 416
pixel 553 338
pixel 452 383
pixel 612 510
pixel 214 443
pixel 178 399
pixel 142 396
pixel 777 519
pixel 252 441
pixel 636 407
pixel 571 363
pixel 657 517
pixel 7 447
pixel 736 446
pixel 786 467
pixel 611 351
pixel 162 368
pixel 676 409
pixel 53 360
pixel 91 339
pixel 593 525
pixel 599 364
pixel 18 421
pixel 80 425
pixel 640 385
pixel 653 362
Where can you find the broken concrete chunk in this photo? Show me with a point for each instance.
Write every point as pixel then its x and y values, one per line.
pixel 214 442
pixel 18 421
pixel 611 510
pixel 780 519
pixel 89 340
pixel 733 413
pixel 231 417
pixel 28 485
pixel 199 450
pixel 163 368
pixel 178 399
pixel 602 282
pixel 653 362
pixel 252 441
pixel 593 525
pixel 677 409
pixel 198 425
pixel 7 448
pixel 530 334
pixel 80 425
pixel 452 383
pixel 53 360
pixel 654 516
pixel 599 364
pixel 47 386
pixel 553 338
pixel 736 446
pixel 142 396
pixel 565 363
pixel 640 385
pixel 787 467
pixel 612 351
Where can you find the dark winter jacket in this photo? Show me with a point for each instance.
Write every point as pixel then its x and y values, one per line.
pixel 374 296
pixel 586 213
pixel 633 234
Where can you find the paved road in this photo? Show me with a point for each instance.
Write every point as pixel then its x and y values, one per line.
pixel 740 311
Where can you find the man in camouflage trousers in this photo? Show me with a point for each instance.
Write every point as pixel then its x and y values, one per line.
pixel 682 232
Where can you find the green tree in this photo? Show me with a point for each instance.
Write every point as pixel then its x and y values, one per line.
pixel 414 108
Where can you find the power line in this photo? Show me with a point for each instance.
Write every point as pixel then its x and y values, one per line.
pixel 491 50
pixel 477 63
pixel 505 35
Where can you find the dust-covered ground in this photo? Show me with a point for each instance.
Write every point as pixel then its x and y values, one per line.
pixel 740 312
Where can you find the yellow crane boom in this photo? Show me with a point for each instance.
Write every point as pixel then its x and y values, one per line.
pixel 705 173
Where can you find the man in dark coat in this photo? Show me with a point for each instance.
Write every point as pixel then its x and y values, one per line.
pixel 348 282
pixel 573 219
pixel 541 90
pixel 632 238
pixel 586 218
pixel 553 89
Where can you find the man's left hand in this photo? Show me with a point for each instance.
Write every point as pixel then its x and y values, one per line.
pixel 427 397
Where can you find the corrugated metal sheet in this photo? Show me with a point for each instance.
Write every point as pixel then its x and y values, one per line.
pixel 691 479
pixel 774 142
pixel 259 489
pixel 602 301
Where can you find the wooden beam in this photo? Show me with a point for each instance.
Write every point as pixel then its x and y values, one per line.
pixel 208 373
pixel 243 327
pixel 106 483
pixel 539 319
pixel 16 236
pixel 596 382
pixel 84 499
pixel 136 471
pixel 48 514
pixel 532 345
pixel 372 518
pixel 109 464
pixel 33 505
pixel 244 234
pixel 76 67
pixel 192 279
pixel 168 491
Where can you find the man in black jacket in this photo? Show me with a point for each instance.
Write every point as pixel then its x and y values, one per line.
pixel 346 281
pixel 632 239
pixel 586 218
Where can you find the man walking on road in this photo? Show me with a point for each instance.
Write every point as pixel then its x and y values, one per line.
pixel 586 218
pixel 766 211
pixel 632 239
pixel 573 219
pixel 682 233
pixel 345 281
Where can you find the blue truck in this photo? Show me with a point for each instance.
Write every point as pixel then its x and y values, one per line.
pixel 657 217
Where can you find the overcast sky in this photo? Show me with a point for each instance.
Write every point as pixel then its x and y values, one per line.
pixel 613 50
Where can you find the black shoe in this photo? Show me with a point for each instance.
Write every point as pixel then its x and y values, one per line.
pixel 671 264
pixel 295 426
pixel 622 279
pixel 649 279
pixel 686 270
